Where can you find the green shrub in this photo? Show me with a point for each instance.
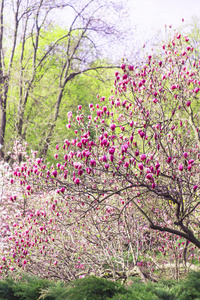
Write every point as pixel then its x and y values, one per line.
pixel 135 296
pixel 150 291
pixel 7 290
pixel 57 291
pixel 137 291
pixel 93 288
pixel 163 292
pixel 29 288
pixel 188 288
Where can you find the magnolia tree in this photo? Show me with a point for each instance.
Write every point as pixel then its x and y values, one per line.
pixel 50 236
pixel 112 203
pixel 45 234
pixel 147 145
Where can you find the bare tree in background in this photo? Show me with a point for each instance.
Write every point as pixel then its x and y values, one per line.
pixel 24 62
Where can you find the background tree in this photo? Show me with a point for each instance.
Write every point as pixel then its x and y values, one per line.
pixel 38 52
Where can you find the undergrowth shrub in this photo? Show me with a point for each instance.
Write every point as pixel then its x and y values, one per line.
pixel 27 288
pixel 188 288
pixel 141 291
pixel 7 290
pixel 57 291
pixel 93 288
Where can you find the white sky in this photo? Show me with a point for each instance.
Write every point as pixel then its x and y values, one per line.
pixel 146 18
pixel 151 15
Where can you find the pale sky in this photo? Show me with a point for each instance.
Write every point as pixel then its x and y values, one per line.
pixel 146 18
pixel 150 15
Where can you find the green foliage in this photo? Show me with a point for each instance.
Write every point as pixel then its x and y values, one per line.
pixel 29 287
pixel 163 292
pixel 141 291
pixel 38 109
pixel 135 296
pixel 94 288
pixel 57 291
pixel 186 289
pixel 189 288
pixel 7 290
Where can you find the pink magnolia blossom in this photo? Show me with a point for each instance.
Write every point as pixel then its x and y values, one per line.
pixel 142 134
pixel 80 172
pixel 195 187
pixel 169 159
pixel 140 166
pixel 111 150
pixel 54 173
pixel 112 127
pixel 157 165
pixel 77 181
pixel 111 158
pixel 88 170
pixel 62 190
pixel 79 144
pixel 149 176
pixel 92 163
pixel 173 87
pixel 153 185
pixel 104 158
pixel 180 167
pixel 123 66
pixel 124 148
pixel 137 152
pixel 126 165
pixel 143 157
